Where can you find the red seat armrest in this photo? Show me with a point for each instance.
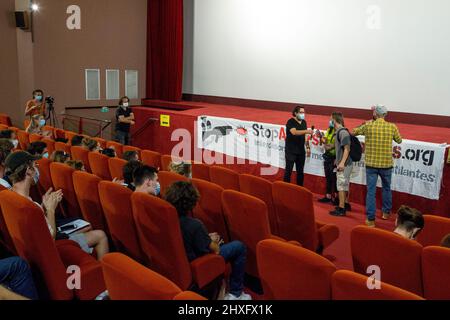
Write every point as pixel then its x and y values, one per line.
pixel 327 233
pixel 207 268
pixel 189 296
pixel 291 242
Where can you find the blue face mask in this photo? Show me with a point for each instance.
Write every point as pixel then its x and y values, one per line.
pixel 41 122
pixel 301 116
pixel 331 124
pixel 38 98
pixel 45 155
pixel 157 189
pixel 36 176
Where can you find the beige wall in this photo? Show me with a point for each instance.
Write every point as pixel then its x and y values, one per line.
pixel 9 76
pixel 113 35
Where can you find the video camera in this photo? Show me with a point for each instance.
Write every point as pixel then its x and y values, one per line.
pixel 50 100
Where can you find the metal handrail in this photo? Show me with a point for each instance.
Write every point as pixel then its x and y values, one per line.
pixel 103 123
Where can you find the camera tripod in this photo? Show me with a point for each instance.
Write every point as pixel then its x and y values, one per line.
pixel 52 116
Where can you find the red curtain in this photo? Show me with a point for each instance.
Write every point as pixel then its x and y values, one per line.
pixel 165 50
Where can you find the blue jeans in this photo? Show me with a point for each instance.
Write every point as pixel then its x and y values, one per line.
pixel 372 178
pixel 122 137
pixel 236 253
pixel 16 276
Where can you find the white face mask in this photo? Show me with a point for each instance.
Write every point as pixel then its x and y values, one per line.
pixel 125 104
pixel 15 143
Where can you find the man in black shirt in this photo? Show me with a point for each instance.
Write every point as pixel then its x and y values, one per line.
pixel 125 119
pixel 296 130
pixel 197 242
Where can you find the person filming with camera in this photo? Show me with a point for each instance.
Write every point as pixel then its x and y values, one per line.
pixel 36 106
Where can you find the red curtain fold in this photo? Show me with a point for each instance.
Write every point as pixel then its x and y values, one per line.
pixel 165 50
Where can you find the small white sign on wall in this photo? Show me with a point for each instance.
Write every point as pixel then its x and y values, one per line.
pixel 73 22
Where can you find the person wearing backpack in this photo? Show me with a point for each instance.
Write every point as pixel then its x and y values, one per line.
pixel 379 136
pixel 344 164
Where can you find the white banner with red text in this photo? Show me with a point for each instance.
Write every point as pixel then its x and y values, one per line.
pixel 418 166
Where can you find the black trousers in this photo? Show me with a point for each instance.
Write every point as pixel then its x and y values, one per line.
pixel 330 175
pixel 299 161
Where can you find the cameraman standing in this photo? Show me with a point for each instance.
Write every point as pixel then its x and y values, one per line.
pixel 36 106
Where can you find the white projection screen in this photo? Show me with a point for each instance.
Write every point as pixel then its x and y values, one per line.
pixel 346 53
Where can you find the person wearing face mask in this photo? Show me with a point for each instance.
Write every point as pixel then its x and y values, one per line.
pixel 5 149
pixel 295 151
pixel 145 179
pixel 38 149
pixel 329 157
pixel 24 174
pixel 125 119
pixel 36 126
pixel 36 106
pixel 409 222
pixel 11 136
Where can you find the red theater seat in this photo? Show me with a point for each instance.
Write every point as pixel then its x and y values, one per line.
pixel 166 160
pixel 209 209
pixel 69 135
pixel 32 239
pixel 5 238
pixel 116 203
pixel 101 142
pixel 115 166
pixel 81 154
pixel 45 180
pixel 5 119
pixel 151 158
pixel 399 259
pixel 50 145
pixel 160 237
pixel 61 146
pixel 99 165
pixel 248 222
pixel 166 179
pixel 290 272
pixel 128 280
pixel 435 229
pixel 296 220
pixel 200 171
pixel 261 189
pixel 86 190
pixel 62 180
pixel 60 134
pixel 24 139
pixel 348 285
pixel 35 137
pixel 226 178
pixel 3 127
pixel 116 146
pixel 131 148
pixel 436 273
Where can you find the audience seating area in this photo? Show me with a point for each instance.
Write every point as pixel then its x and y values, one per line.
pixel 275 221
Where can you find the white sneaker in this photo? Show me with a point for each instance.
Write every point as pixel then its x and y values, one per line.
pixel 242 297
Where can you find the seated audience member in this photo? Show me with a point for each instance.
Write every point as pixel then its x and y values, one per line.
pixel 91 145
pixel 409 222
pixel 77 141
pixel 110 152
pixel 197 242
pixel 128 170
pixel 16 280
pixel 182 168
pixel 5 149
pixel 446 241
pixel 11 136
pixel 131 155
pixel 24 174
pixel 145 179
pixel 38 149
pixel 60 156
pixel 63 140
pixel 76 164
pixel 36 126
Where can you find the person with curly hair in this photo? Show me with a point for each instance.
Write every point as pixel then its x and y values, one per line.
pixel 197 242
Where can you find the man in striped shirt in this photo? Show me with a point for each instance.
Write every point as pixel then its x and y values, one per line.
pixel 379 135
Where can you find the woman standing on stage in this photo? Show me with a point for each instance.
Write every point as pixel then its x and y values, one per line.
pixel 295 152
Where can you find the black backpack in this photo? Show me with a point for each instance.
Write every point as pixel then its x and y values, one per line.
pixel 355 147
